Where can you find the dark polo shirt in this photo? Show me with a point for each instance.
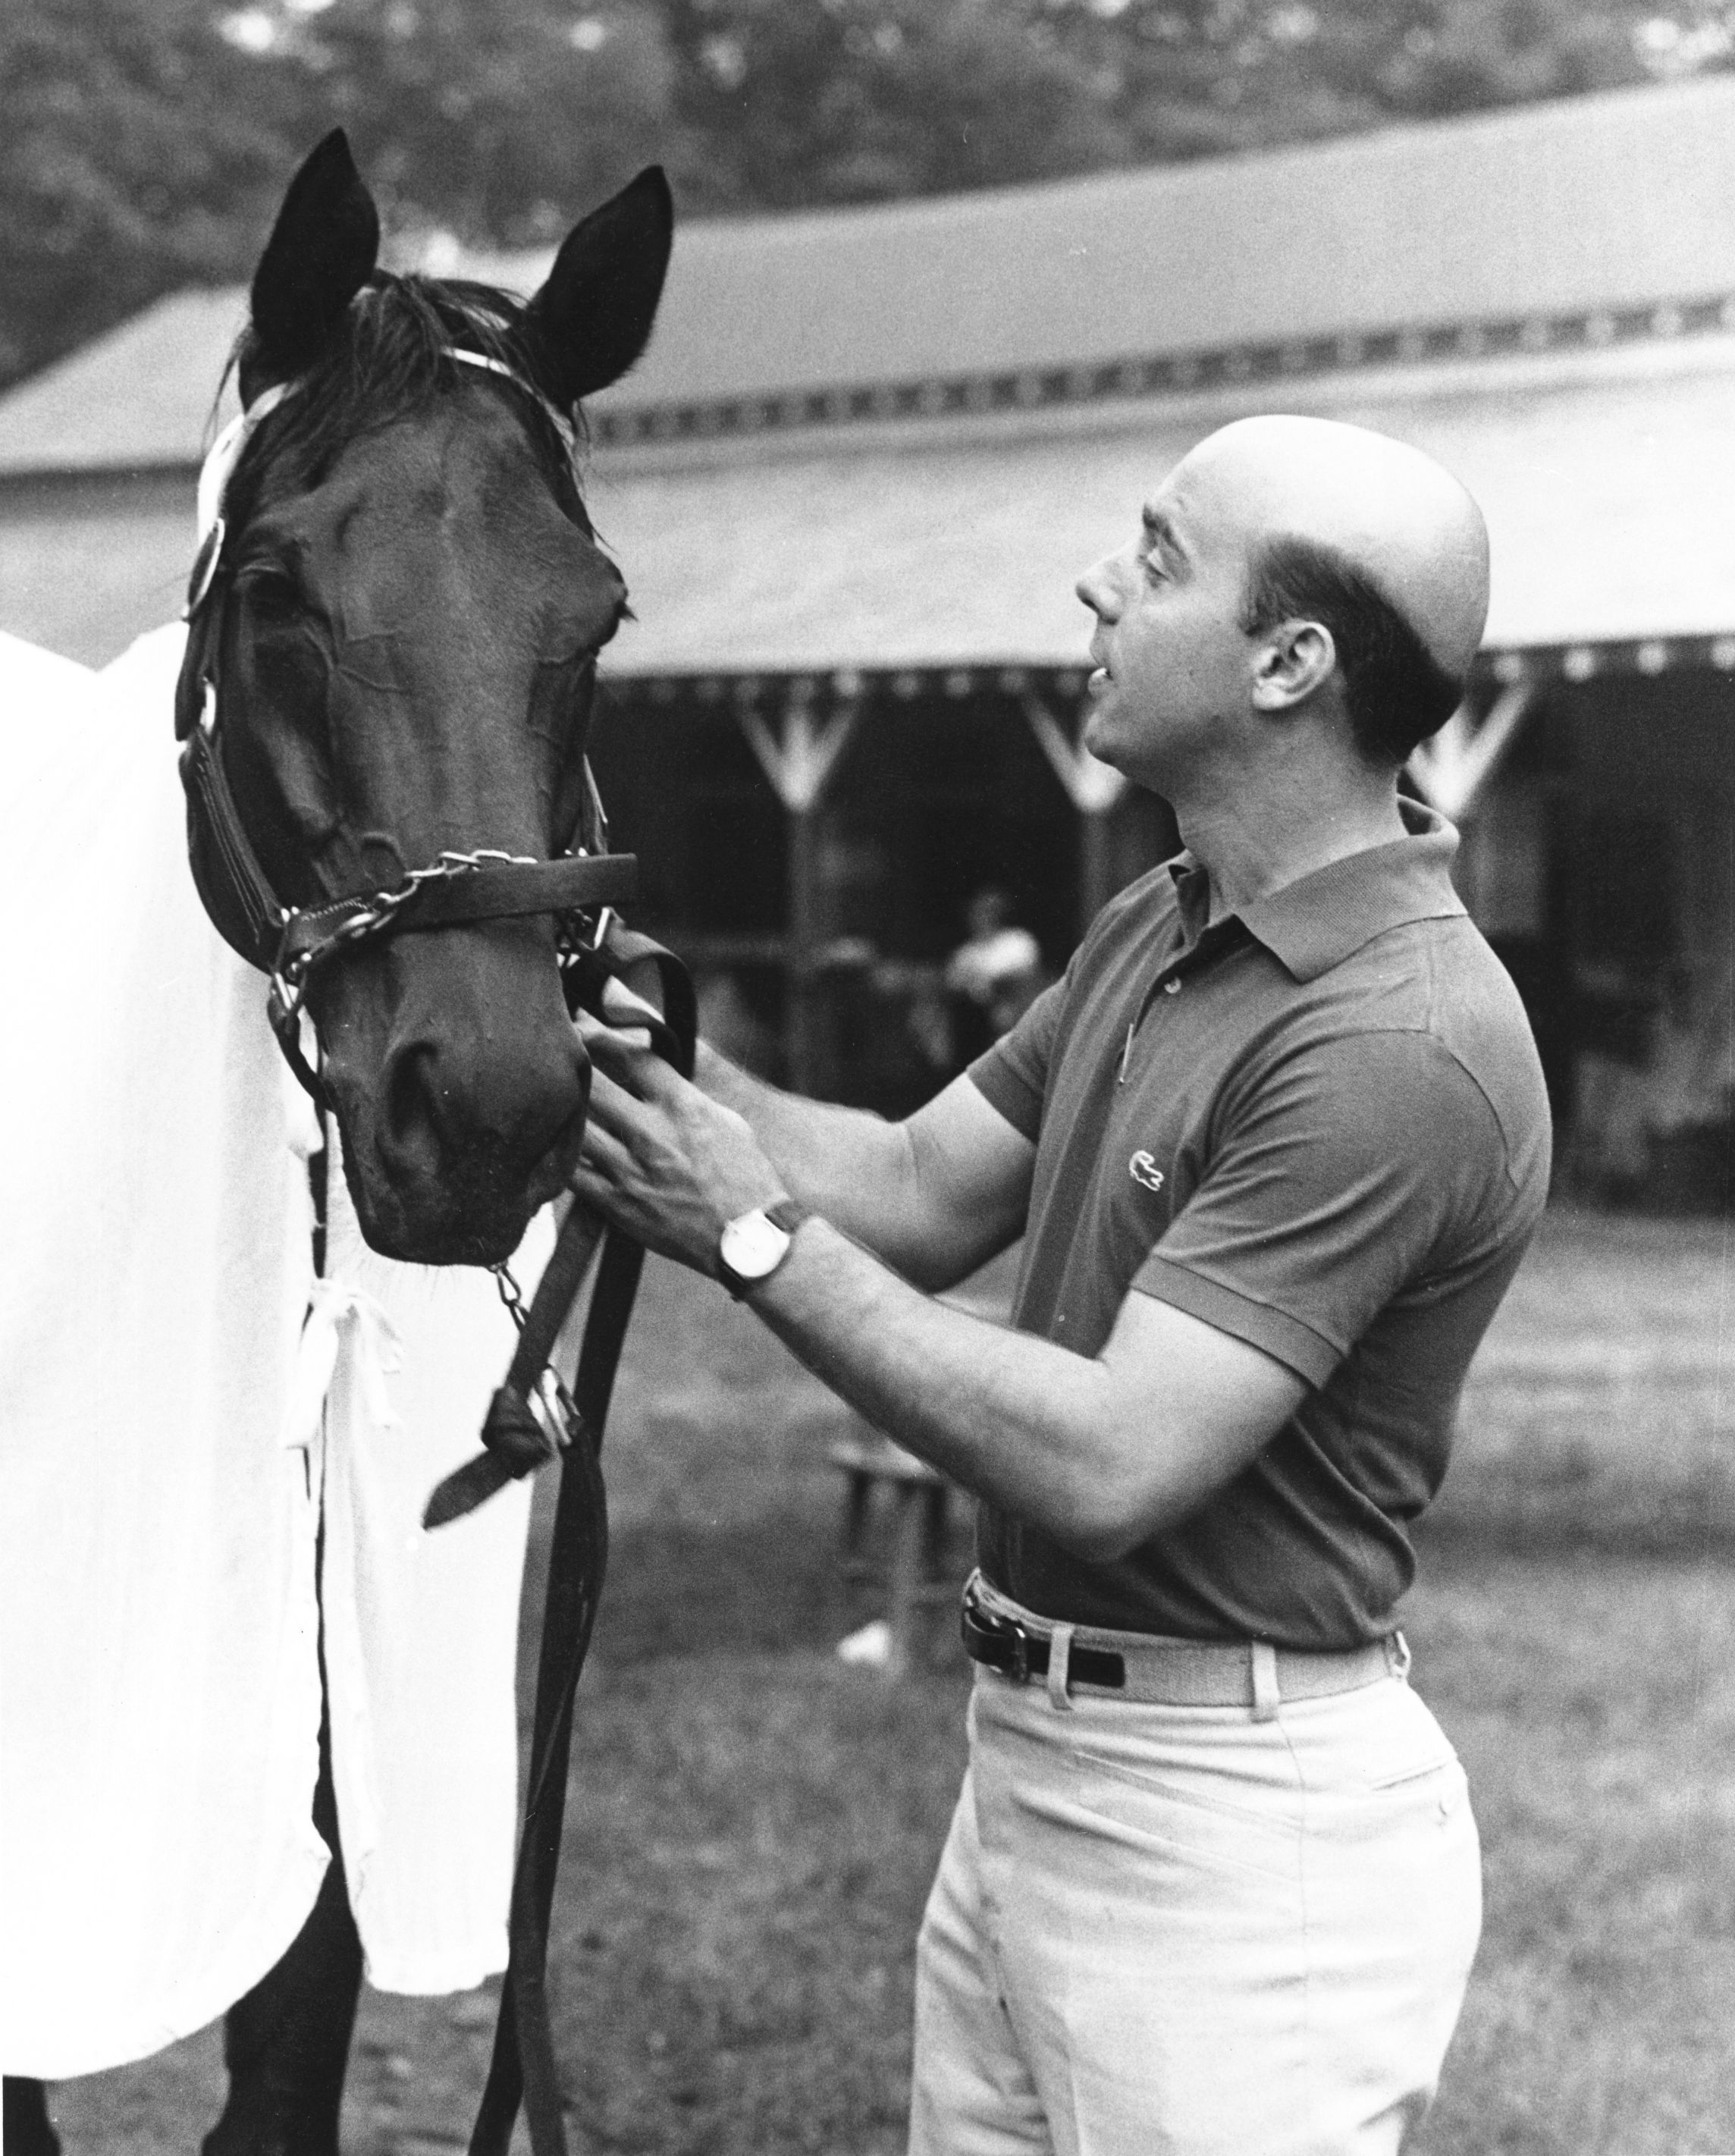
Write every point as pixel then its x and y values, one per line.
pixel 1319 1126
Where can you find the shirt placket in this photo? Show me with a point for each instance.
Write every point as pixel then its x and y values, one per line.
pixel 1191 959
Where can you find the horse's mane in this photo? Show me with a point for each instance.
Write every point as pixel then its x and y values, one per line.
pixel 389 358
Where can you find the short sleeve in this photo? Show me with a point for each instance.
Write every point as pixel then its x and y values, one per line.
pixel 1012 1076
pixel 1353 1170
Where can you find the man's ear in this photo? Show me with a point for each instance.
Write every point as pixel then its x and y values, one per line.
pixel 1291 661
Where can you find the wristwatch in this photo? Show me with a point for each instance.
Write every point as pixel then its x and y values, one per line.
pixel 753 1244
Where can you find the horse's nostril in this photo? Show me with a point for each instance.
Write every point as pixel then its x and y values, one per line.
pixel 442 1104
pixel 410 1105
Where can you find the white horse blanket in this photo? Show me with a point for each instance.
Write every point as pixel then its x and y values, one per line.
pixel 181 1407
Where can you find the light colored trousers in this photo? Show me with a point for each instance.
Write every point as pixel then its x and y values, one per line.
pixel 1162 1931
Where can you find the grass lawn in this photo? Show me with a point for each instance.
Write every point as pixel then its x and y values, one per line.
pixel 752 1824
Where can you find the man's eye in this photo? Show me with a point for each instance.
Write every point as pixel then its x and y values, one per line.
pixel 1153 564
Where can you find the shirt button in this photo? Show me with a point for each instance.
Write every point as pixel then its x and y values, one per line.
pixel 1171 988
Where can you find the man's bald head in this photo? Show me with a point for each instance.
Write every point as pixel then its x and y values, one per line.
pixel 1360 535
pixel 1286 569
pixel 1392 515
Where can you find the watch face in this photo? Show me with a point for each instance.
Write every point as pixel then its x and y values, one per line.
pixel 752 1246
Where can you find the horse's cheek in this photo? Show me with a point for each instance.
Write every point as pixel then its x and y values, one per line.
pixel 290 692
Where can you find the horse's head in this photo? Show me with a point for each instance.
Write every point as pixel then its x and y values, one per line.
pixel 402 631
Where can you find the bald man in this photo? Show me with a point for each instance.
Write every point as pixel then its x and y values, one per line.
pixel 1275 1145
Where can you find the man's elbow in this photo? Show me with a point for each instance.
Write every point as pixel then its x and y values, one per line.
pixel 1106 1517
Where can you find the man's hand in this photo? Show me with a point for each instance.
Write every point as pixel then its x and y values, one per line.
pixel 661 1160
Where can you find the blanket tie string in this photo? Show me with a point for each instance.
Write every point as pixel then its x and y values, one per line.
pixel 342 1320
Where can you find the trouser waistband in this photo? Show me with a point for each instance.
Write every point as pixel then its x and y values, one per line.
pixel 1001 1634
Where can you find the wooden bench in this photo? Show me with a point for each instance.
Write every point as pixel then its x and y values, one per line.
pixel 913 1570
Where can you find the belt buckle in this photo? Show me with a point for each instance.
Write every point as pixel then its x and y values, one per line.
pixel 1005 1628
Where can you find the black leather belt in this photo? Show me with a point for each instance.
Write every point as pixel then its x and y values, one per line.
pixel 1155 1671
pixel 1001 1643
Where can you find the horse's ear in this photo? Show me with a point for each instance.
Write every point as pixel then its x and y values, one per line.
pixel 321 251
pixel 594 316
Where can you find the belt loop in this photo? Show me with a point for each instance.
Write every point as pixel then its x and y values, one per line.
pixel 1059 1667
pixel 1264 1681
pixel 1396 1649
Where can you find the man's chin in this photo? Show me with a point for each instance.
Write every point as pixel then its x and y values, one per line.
pixel 1097 735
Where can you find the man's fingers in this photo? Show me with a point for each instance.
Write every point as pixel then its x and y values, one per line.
pixel 605 1155
pixel 597 1193
pixel 627 1057
pixel 613 1106
pixel 620 1006
pixel 610 1047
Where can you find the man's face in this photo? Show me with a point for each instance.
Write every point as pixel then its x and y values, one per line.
pixel 1173 665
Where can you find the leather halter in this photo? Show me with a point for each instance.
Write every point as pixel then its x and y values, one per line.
pixel 291 943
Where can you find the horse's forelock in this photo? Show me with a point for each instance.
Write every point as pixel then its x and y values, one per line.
pixel 390 358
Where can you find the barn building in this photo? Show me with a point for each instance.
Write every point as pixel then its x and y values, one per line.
pixel 855 477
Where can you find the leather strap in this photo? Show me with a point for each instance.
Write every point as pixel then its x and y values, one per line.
pixel 523 2070
pixel 236 894
pixel 498 890
pixel 1024 1655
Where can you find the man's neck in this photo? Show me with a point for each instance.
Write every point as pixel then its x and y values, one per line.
pixel 1251 843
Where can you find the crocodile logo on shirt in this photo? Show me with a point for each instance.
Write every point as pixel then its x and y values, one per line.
pixel 1143 1169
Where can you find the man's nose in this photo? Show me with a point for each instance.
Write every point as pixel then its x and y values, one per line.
pixel 1099 589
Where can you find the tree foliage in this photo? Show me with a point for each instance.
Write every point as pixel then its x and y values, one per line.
pixel 145 141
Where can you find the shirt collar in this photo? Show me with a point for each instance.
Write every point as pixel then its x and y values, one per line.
pixel 1318 920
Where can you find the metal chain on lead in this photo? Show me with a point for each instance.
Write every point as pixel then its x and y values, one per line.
pixel 290 981
pixel 563 1409
pixel 510 1294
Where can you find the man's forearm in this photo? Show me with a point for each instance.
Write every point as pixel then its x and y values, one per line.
pixel 1098 1452
pixel 1017 1420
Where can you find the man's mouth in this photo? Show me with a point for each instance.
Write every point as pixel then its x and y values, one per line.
pixel 1098 682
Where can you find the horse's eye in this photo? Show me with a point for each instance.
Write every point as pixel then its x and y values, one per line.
pixel 270 590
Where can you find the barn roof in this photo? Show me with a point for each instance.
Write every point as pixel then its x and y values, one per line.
pixel 1606 485
pixel 1535 221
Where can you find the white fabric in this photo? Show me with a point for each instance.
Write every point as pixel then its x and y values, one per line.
pixel 37 682
pixel 163 1458
pixel 1185 1929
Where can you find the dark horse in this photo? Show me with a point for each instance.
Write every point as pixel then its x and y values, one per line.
pixel 406 607
pixel 407 649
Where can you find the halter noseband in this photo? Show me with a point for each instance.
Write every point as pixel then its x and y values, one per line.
pixel 290 943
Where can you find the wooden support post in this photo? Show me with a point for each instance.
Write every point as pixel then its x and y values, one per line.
pixel 1451 767
pixel 1096 880
pixel 799 758
pixel 1094 790
pixel 803 1026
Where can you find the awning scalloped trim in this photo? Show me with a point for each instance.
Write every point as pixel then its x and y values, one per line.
pixel 1029 389
pixel 1570 663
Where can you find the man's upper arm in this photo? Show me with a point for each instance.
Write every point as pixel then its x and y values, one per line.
pixel 1190 1405
pixel 1344 1178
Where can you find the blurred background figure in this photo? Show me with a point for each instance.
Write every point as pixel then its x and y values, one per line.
pixel 992 977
